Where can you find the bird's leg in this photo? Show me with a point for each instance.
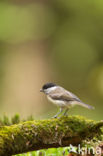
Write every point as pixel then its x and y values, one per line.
pixel 60 111
pixel 65 112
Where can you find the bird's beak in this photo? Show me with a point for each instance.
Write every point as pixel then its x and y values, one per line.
pixel 41 90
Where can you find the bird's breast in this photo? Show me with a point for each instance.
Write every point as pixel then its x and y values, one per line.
pixel 57 102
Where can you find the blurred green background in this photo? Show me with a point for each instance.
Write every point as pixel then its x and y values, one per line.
pixel 57 41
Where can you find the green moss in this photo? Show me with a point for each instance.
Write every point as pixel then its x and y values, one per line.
pixel 31 135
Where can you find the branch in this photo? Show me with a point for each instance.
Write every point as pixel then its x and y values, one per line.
pixel 40 134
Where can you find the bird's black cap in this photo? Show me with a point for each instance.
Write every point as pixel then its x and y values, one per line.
pixel 48 85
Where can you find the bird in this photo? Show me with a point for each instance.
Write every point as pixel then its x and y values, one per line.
pixel 62 98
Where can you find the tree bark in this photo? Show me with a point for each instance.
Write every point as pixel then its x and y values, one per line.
pixel 42 134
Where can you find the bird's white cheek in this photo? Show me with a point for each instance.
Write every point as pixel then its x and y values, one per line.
pixel 49 90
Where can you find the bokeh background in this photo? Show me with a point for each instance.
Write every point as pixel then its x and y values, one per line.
pixel 57 41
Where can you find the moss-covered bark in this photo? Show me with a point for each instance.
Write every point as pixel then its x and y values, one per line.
pixel 34 135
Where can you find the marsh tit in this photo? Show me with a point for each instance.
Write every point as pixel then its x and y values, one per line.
pixel 62 98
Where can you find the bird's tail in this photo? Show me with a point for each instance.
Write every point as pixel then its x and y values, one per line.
pixel 85 105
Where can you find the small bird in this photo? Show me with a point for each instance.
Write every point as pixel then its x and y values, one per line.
pixel 62 98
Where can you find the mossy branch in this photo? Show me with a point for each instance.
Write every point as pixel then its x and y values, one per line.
pixel 40 134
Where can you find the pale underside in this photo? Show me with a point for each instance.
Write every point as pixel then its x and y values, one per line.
pixel 61 103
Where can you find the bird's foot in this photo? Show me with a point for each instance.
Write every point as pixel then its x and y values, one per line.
pixel 54 117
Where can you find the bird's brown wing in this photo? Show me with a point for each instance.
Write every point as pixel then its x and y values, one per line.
pixel 63 95
pixel 60 97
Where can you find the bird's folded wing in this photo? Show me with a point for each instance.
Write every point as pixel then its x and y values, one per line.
pixel 65 97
